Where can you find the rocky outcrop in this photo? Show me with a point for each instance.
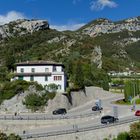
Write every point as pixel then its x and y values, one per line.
pixel 102 26
pixel 22 26
pixel 96 57
pixel 76 100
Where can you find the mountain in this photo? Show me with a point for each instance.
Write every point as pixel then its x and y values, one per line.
pixel 105 26
pixel 22 26
pixel 107 44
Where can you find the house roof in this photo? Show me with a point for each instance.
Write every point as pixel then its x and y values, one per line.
pixel 38 63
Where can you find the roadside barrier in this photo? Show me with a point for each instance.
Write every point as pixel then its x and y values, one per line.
pixel 77 129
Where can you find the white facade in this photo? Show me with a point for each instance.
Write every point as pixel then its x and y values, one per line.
pixel 44 73
pixel 125 73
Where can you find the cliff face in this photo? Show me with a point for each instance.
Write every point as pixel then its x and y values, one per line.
pixel 105 26
pixel 21 27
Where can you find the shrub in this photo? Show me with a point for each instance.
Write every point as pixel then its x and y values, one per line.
pixel 51 87
pixel 135 131
pixel 12 136
pixel 34 101
pixel 123 136
pixel 51 95
pixel 10 89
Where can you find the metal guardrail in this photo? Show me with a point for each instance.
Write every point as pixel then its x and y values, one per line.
pixel 45 117
pixel 76 130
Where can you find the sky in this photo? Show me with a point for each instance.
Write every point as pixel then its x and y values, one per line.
pixel 68 14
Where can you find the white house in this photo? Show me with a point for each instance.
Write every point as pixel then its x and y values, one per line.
pixel 43 72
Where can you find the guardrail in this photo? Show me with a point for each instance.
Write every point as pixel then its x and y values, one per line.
pixel 45 117
pixel 77 129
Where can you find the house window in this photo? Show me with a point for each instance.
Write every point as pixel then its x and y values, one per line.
pixel 31 78
pixel 20 77
pixel 46 69
pixel 54 68
pixel 22 70
pixel 33 70
pixel 46 78
pixel 57 78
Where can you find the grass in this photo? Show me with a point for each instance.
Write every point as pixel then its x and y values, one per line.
pixel 123 102
pixel 138 101
pixel 114 90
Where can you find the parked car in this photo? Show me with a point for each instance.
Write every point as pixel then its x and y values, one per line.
pixel 97 108
pixel 59 111
pixel 137 113
pixel 108 119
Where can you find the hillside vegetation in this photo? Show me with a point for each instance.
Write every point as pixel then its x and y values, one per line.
pixel 114 46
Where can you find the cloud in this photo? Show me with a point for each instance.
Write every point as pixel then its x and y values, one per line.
pixel 101 4
pixel 71 27
pixel 11 16
pixel 75 1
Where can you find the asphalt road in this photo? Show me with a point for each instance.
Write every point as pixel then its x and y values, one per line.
pixel 84 111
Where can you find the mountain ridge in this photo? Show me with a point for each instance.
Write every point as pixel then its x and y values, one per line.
pixel 107 47
pixel 103 25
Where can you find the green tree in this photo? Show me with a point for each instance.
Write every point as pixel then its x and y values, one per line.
pixel 128 90
pixel 135 131
pixel 34 101
pixel 3 136
pixel 13 136
pixel 132 88
pixel 52 87
pixel 78 75
pixel 3 74
pixel 10 61
pixel 123 136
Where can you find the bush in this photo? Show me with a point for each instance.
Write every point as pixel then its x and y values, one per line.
pixel 51 87
pixel 12 136
pixel 10 89
pixel 135 131
pixel 51 95
pixel 34 101
pixel 123 136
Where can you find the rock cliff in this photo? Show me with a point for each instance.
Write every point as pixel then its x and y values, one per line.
pixel 103 26
pixel 22 26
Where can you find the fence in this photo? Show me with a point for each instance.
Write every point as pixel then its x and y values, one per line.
pixel 83 129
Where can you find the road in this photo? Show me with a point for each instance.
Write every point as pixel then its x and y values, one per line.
pixel 92 119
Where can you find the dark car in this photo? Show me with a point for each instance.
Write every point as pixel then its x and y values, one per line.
pixel 108 119
pixel 97 108
pixel 137 113
pixel 59 111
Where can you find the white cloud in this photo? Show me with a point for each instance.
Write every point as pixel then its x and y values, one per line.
pixel 75 1
pixel 101 4
pixel 11 16
pixel 71 27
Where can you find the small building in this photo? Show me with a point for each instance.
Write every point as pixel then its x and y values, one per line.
pixel 43 72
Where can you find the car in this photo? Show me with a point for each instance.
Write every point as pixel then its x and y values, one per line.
pixel 108 119
pixel 137 113
pixel 59 111
pixel 97 108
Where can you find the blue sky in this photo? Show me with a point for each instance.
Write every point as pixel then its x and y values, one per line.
pixel 68 14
